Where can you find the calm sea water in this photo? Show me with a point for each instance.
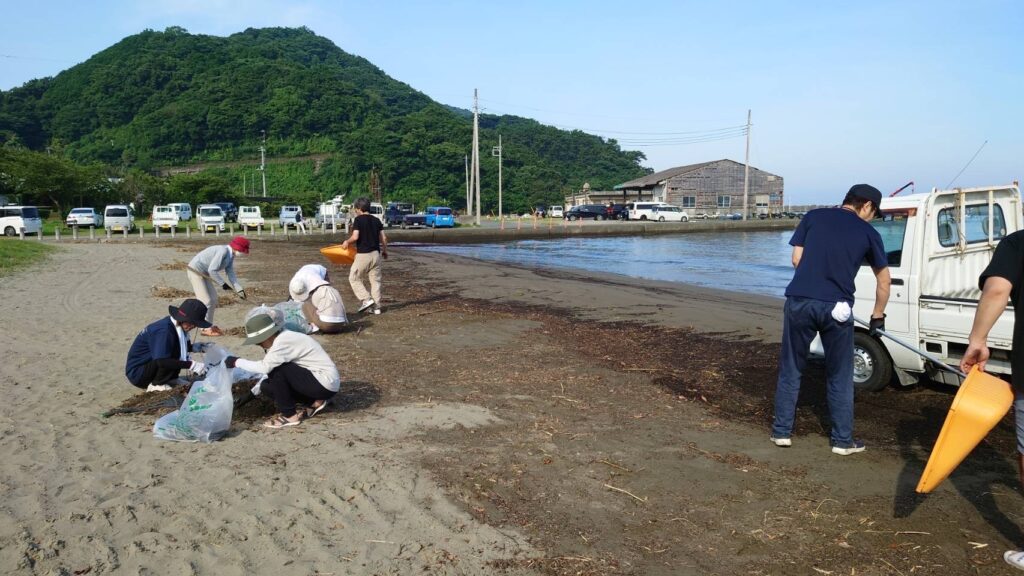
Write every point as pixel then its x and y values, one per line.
pixel 755 262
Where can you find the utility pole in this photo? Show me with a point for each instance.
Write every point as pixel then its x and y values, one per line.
pixel 476 153
pixel 469 205
pixel 263 161
pixel 496 151
pixel 746 170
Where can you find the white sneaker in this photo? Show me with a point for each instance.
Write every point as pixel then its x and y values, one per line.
pixel 366 305
pixel 376 310
pixel 1014 558
pixel 781 442
pixel 158 388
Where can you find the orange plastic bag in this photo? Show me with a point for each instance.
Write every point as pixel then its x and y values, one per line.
pixel 979 405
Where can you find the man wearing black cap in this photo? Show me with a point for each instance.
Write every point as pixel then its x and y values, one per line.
pixel 829 246
pixel 161 350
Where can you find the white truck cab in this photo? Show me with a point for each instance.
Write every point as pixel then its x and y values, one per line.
pixel 938 244
pixel 210 218
pixel 250 216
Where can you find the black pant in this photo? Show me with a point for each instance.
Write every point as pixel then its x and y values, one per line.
pixel 290 383
pixel 159 372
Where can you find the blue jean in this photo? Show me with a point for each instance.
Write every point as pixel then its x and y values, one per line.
pixel 803 318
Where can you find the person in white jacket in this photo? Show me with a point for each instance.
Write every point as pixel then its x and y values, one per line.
pixel 321 302
pixel 297 368
pixel 209 268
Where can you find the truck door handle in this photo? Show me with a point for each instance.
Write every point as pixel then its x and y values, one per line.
pixel 897 281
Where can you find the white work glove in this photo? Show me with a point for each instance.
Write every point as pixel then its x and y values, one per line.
pixel 241 293
pixel 256 389
pixel 201 347
pixel 198 368
pixel 842 312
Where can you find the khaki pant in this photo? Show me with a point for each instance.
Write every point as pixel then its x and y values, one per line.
pixel 205 291
pixel 367 265
pixel 309 311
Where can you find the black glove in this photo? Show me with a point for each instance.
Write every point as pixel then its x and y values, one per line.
pixel 230 361
pixel 876 324
pixel 226 286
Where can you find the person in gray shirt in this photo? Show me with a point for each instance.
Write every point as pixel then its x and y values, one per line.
pixel 215 266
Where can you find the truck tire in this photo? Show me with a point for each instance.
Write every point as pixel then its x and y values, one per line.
pixel 10 231
pixel 872 366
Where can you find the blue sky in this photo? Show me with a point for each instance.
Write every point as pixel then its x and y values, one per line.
pixel 841 92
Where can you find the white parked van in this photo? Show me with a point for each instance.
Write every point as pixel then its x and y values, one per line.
pixel 643 210
pixel 377 211
pixel 290 216
pixel 210 218
pixel 938 244
pixel 250 217
pixel 184 210
pixel 556 212
pixel 14 219
pixel 118 217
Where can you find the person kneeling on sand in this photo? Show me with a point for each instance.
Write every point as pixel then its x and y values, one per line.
pixel 204 273
pixel 161 350
pixel 321 302
pixel 297 369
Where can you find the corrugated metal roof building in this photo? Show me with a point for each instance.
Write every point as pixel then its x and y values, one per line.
pixel 708 188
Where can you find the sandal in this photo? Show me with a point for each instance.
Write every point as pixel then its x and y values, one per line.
pixel 314 410
pixel 279 421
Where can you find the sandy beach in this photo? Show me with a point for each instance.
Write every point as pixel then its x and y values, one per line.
pixel 496 420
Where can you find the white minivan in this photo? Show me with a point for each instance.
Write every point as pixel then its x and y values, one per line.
pixel 15 218
pixel 118 217
pixel 290 215
pixel 183 209
pixel 556 212
pixel 643 210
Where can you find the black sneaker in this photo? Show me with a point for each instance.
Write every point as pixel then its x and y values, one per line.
pixel 366 305
pixel 847 449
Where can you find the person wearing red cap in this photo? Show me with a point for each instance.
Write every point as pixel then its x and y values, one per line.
pixel 215 266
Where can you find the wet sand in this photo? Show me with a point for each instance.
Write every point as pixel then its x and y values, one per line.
pixel 501 421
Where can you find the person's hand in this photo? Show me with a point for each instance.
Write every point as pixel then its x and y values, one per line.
pixel 198 368
pixel 241 294
pixel 226 286
pixel 977 354
pixel 201 347
pixel 344 245
pixel 876 325
pixel 384 254
pixel 230 361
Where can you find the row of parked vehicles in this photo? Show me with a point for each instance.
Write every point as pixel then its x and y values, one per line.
pixel 656 211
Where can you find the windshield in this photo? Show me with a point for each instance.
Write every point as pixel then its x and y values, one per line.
pixel 892 227
pixel 82 211
pixel 210 212
pixel 444 211
pixel 117 212
pixel 668 209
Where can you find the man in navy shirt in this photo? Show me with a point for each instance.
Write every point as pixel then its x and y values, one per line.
pixel 829 246
pixel 161 350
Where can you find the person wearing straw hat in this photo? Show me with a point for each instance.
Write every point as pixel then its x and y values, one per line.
pixel 213 267
pixel 297 369
pixel 829 246
pixel 1000 284
pixel 160 351
pixel 321 302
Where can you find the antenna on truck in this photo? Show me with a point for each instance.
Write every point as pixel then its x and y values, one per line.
pixel 966 165
pixel 904 187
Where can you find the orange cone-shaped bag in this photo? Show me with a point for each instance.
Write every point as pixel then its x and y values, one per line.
pixel 979 405
pixel 338 255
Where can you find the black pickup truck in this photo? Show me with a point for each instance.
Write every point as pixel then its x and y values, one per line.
pixel 396 212
pixel 414 221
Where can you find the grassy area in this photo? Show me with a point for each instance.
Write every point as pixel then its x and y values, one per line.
pixel 15 254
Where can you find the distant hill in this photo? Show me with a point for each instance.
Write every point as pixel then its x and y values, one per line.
pixel 172 98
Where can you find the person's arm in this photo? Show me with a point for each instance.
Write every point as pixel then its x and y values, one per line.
pixel 994 298
pixel 798 253
pixel 216 267
pixel 383 244
pixel 351 239
pixel 883 284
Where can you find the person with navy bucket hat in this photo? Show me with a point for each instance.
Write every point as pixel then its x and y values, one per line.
pixel 161 350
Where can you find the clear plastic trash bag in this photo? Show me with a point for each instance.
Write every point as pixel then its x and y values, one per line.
pixel 294 319
pixel 205 415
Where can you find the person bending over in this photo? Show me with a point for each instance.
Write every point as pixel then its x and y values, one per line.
pixel 207 270
pixel 321 302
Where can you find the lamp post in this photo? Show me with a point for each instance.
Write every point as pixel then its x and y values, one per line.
pixel 496 151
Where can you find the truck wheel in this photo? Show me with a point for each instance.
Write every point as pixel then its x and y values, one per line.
pixel 10 231
pixel 661 219
pixel 872 367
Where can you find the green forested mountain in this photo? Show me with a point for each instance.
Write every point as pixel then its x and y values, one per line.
pixel 159 99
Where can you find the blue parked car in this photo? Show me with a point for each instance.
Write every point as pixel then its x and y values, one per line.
pixel 440 217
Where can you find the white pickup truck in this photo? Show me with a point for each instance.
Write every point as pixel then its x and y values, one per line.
pixel 938 244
